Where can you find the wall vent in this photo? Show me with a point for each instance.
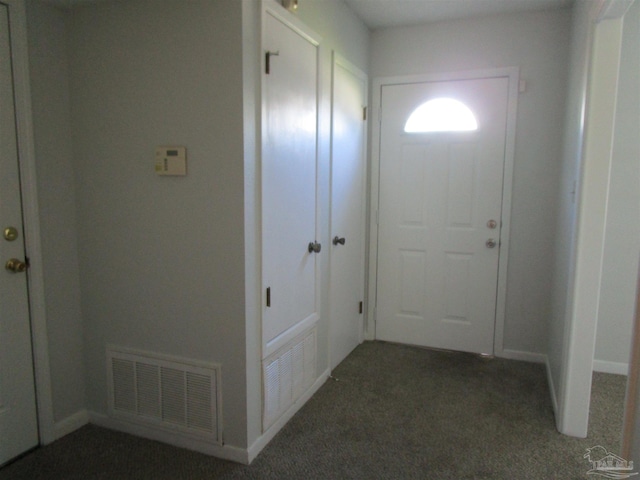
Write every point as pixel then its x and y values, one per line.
pixel 287 374
pixel 165 392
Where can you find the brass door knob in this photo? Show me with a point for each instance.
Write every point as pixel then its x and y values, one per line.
pixel 16 266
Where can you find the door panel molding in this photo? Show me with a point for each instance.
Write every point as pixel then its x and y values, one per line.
pixel 513 75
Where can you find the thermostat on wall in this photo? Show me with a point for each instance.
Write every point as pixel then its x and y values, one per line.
pixel 171 160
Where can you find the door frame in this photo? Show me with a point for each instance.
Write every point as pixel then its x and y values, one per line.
pixel 31 216
pixel 513 74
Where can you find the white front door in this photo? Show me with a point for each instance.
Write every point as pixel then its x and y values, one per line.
pixel 18 421
pixel 348 134
pixel 289 260
pixel 440 206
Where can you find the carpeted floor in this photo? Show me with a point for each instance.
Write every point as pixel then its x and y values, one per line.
pixel 390 412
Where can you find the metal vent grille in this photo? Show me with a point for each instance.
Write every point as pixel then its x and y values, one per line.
pixel 287 374
pixel 166 392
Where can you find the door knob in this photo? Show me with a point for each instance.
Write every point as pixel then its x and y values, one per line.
pixel 314 247
pixel 491 243
pixel 337 240
pixel 16 266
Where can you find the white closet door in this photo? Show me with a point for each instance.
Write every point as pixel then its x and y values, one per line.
pixel 290 100
pixel 348 150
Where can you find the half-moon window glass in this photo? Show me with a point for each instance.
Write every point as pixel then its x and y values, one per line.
pixel 441 115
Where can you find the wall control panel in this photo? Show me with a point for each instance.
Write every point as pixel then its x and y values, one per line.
pixel 171 160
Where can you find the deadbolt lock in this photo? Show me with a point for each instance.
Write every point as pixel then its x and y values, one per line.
pixel 10 234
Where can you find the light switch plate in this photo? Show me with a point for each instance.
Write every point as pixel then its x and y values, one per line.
pixel 171 160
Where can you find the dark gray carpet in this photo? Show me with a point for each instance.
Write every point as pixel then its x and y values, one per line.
pixel 392 412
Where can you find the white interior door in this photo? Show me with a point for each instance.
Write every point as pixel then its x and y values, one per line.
pixel 18 421
pixel 288 183
pixel 440 194
pixel 348 134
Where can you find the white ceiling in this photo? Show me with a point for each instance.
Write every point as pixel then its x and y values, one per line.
pixel 70 3
pixel 394 13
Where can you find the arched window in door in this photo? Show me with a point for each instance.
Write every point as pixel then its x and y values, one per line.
pixel 441 115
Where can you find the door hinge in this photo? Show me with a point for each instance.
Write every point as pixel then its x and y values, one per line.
pixel 268 296
pixel 364 113
pixel 267 60
pixel 360 307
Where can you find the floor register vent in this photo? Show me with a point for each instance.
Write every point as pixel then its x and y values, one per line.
pixel 287 374
pixel 165 392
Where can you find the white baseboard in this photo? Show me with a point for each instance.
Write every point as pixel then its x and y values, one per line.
pixel 523 356
pixel 226 452
pixel 271 432
pixel 604 366
pixel 70 424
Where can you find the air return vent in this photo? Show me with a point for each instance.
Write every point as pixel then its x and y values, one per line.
pixel 287 374
pixel 166 392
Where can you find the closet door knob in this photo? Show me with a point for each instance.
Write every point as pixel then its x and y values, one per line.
pixel 337 240
pixel 314 247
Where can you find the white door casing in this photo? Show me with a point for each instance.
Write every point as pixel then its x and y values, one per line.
pixel 434 278
pixel 18 417
pixel 348 176
pixel 289 173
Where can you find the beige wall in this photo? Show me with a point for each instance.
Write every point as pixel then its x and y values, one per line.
pixel 161 258
pixel 622 240
pixel 48 64
pixel 564 248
